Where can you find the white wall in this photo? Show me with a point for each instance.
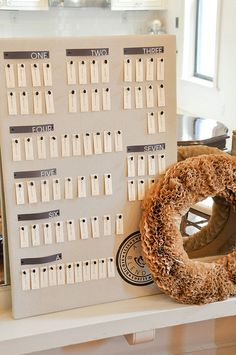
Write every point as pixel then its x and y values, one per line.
pixel 217 103
pixel 75 22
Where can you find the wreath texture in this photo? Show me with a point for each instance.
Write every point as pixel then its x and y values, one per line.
pixel 182 186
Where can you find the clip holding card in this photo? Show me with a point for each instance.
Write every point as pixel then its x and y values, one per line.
pixel 10 75
pixel 95 227
pixel 107 136
pixel 45 194
pixel 108 184
pixel 32 194
pixel 29 148
pixel 151 129
pixel 72 98
pixel 128 70
pixel 21 75
pixel 82 72
pixel 150 69
pixel 139 69
pixel 20 194
pixel 41 147
pixel 82 186
pixel 131 190
pixel 110 267
pixel 12 105
pixel 119 224
pixel 107 225
pixel 43 277
pixel 68 188
pixel 95 191
pixel 71 76
pixel 141 165
pixel 37 103
pixel 65 145
pixel 70 278
pixel 141 189
pixel 76 145
pixel 56 189
pixel 49 101
pixel 105 71
pixel 35 235
pixel 47 74
pixel 84 233
pixel 97 143
pixel 70 226
pixel 35 75
pixel 106 99
pixel 24 236
pixel 16 149
pixel 47 233
pixel 59 232
pixel 94 71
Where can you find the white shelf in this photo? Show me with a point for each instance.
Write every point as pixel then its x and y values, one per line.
pixel 102 321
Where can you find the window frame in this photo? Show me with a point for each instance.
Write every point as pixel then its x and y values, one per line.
pixel 190 43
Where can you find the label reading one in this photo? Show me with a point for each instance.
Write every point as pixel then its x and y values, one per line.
pixel 27 55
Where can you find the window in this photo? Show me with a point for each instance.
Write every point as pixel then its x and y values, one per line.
pixel 205 43
pixel 201 37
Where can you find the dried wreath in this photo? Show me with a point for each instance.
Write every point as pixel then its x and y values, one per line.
pixel 183 185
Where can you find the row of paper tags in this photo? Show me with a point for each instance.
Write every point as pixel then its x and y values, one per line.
pixel 88 71
pixel 61 231
pixel 51 190
pixel 32 191
pixel 23 75
pixel 95 71
pixel 67 145
pixel 140 70
pixel 148 97
pixel 68 273
pixel 94 100
pixel 100 100
pixel 83 72
pixel 23 103
pixel 37 74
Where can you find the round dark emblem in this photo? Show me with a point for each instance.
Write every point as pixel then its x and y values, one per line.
pixel 130 263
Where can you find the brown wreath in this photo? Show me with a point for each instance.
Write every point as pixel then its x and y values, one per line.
pixel 183 185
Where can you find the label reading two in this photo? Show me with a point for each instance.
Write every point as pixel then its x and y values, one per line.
pixel 87 52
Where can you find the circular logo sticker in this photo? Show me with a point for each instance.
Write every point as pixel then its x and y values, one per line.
pixel 130 263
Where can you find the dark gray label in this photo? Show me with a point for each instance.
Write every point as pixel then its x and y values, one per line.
pixel 34 55
pixel 149 148
pixel 36 216
pixel 87 52
pixel 144 50
pixel 41 260
pixel 32 129
pixel 35 173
